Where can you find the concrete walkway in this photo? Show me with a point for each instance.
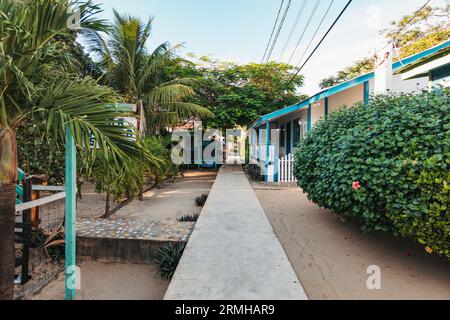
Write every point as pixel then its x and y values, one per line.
pixel 233 253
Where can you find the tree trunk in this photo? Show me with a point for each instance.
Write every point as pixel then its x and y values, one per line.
pixel 8 177
pixel 142 129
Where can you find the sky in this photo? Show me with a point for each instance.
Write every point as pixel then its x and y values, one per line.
pixel 238 30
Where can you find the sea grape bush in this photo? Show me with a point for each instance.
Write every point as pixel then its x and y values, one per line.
pixel 385 164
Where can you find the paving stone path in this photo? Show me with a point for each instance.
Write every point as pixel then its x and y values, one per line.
pixel 233 253
pixel 162 230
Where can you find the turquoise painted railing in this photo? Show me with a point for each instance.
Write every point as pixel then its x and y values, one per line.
pixel 19 190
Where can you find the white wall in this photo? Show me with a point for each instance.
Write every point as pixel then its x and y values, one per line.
pixel 408 86
pixel 346 98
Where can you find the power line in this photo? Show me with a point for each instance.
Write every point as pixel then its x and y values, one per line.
pixel 273 31
pixel 412 19
pixel 280 27
pixel 315 33
pixel 294 27
pixel 321 41
pixel 304 30
pixel 416 13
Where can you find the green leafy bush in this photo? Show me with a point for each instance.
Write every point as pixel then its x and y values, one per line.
pixel 160 147
pixel 167 259
pixel 39 154
pixel 385 164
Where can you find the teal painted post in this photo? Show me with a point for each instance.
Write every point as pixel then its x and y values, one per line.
pixel 276 145
pixel 71 186
pixel 267 150
pixel 258 144
pixel 326 106
pixel 366 92
pixel 309 118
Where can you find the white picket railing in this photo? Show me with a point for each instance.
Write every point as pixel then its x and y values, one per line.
pixel 286 169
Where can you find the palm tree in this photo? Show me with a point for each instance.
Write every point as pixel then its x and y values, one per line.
pixel 38 79
pixel 136 73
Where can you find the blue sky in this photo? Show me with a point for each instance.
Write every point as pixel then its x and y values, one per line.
pixel 238 30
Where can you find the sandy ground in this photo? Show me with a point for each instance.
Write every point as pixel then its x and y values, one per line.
pixel 110 281
pixel 172 200
pixel 331 257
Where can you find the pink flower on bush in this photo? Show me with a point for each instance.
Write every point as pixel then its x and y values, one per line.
pixel 356 185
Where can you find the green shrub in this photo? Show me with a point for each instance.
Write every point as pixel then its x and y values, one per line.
pixel 160 146
pixel 39 154
pixel 385 164
pixel 254 171
pixel 167 259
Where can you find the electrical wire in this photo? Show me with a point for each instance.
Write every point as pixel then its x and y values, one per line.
pixel 415 15
pixel 294 27
pixel 304 30
pixel 321 41
pixel 315 33
pixel 273 31
pixel 280 27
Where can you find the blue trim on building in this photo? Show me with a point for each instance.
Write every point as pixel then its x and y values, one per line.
pixel 366 92
pixel 344 86
pixel 259 144
pixel 267 151
pixel 309 118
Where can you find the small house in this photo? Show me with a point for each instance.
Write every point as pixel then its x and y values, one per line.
pixel 274 137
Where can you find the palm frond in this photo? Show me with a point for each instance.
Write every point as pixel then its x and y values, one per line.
pixel 187 110
pixel 169 93
pixel 88 110
pixel 158 120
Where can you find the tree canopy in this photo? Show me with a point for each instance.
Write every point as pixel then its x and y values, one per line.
pixel 239 94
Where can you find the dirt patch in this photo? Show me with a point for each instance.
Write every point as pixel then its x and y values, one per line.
pixel 42 270
pixel 331 257
pixel 172 200
pixel 110 281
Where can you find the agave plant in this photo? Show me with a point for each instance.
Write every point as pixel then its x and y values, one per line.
pixel 136 73
pixel 39 79
pixel 201 200
pixel 167 259
pixel 189 218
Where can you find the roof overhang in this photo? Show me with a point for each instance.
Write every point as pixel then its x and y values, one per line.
pixel 425 69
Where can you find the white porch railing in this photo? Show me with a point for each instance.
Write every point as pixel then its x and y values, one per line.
pixel 286 169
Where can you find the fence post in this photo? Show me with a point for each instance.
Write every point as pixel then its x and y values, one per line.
pixel 26 230
pixel 71 189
